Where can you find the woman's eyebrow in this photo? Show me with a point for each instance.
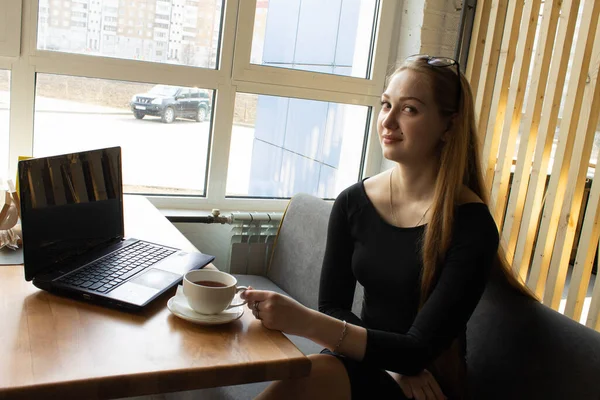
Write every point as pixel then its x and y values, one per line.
pixel 412 98
pixel 385 96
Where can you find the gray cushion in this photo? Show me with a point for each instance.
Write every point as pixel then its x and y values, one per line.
pixel 520 349
pixel 299 250
pixel 298 254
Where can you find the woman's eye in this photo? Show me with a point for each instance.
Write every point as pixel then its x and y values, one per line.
pixel 385 104
pixel 409 109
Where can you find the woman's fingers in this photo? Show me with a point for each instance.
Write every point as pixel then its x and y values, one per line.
pixel 406 388
pixel 257 301
pixel 436 389
pixel 429 395
pixel 255 295
pixel 418 393
pixel 249 303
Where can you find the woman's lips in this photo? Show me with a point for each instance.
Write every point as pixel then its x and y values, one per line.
pixel 390 140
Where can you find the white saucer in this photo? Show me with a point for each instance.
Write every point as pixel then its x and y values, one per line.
pixel 179 306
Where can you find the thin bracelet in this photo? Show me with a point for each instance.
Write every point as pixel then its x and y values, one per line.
pixel 344 332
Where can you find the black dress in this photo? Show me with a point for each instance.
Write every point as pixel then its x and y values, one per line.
pixel 386 261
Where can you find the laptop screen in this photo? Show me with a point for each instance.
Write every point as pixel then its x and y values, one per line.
pixel 70 204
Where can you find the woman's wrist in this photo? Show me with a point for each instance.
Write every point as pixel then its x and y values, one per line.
pixel 311 328
pixel 336 335
pixel 325 330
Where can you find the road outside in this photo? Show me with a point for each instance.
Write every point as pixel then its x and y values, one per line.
pixel 157 157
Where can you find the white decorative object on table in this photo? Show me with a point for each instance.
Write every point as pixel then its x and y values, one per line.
pixel 10 231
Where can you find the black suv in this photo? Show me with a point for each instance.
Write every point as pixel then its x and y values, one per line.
pixel 170 102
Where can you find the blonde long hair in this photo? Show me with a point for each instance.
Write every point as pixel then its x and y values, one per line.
pixel 460 164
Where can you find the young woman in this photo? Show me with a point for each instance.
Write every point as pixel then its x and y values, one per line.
pixel 418 237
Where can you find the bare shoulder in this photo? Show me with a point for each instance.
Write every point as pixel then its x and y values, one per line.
pixel 376 188
pixel 376 183
pixel 468 196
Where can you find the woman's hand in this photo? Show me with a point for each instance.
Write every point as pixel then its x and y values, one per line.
pixel 419 387
pixel 278 312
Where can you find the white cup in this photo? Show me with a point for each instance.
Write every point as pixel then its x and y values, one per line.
pixel 210 299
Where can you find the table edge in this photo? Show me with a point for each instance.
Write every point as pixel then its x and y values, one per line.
pixel 164 381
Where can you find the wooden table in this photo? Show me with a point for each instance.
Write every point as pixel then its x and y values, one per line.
pixel 55 347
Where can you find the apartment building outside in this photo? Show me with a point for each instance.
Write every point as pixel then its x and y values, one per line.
pixel 169 31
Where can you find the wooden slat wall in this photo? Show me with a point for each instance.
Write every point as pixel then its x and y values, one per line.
pixel 529 125
pixel 549 117
pixel 493 108
pixel 538 212
pixel 555 194
pixel 478 35
pixel 491 53
pixel 567 213
pixel 514 104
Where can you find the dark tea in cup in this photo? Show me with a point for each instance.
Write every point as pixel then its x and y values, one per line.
pixel 210 283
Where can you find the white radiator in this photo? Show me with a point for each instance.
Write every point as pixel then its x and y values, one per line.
pixel 253 235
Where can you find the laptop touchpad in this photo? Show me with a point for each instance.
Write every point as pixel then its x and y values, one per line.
pixel 156 279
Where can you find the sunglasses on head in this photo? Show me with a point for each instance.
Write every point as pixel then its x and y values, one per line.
pixel 442 62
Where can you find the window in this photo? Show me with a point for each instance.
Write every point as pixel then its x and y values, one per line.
pixel 105 113
pixel 216 104
pixel 55 40
pixel 281 146
pixel 183 94
pixel 286 34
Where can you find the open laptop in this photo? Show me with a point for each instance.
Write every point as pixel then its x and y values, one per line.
pixel 73 234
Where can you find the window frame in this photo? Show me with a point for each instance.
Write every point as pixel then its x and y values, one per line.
pixel 234 74
pixel 10 17
pixel 244 70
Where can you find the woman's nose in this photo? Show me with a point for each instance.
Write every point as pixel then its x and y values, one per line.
pixel 390 121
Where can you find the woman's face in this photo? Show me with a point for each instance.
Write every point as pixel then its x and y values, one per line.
pixel 410 126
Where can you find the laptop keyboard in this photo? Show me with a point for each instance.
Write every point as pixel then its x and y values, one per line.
pixel 106 273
